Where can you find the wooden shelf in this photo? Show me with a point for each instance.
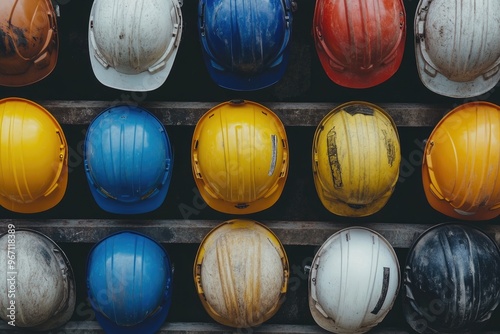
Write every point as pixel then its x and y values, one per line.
pixel 92 327
pixel 312 233
pixel 291 114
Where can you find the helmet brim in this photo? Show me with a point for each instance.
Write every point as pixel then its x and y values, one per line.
pixel 369 79
pixel 340 208
pixel 33 74
pixel 441 85
pixel 239 208
pixel 146 205
pixel 445 207
pixel 151 325
pixel 140 82
pixel 240 82
pixel 42 203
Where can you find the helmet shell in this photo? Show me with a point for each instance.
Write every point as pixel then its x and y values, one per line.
pixel 128 160
pixel 354 281
pixel 28 41
pixel 461 163
pixel 129 283
pixel 133 43
pixel 355 159
pixel 457 46
pixel 239 157
pixel 241 273
pixel 245 42
pixel 451 280
pixel 33 157
pixel 45 292
pixel 360 44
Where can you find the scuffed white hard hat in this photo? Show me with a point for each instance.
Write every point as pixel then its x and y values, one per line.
pixel 133 43
pixel 457 46
pixel 353 281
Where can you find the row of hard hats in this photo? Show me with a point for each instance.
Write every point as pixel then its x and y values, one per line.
pixel 241 275
pixel 245 43
pixel 240 159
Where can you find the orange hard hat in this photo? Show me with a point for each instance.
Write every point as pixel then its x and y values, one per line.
pixel 28 41
pixel 461 165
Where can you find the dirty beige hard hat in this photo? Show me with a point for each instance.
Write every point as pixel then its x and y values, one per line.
pixel 241 273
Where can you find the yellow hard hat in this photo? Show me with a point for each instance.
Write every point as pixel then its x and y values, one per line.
pixel 33 157
pixel 355 159
pixel 239 157
pixel 241 273
pixel 461 164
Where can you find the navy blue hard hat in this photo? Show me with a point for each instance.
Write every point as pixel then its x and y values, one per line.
pixel 451 280
pixel 129 283
pixel 245 42
pixel 128 160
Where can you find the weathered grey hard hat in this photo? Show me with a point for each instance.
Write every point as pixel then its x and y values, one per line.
pixel 40 281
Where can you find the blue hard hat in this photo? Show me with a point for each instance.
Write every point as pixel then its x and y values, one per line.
pixel 129 283
pixel 245 42
pixel 128 160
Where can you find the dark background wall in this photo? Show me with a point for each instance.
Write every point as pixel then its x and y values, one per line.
pixel 304 81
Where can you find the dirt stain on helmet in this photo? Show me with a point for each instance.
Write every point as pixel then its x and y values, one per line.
pixel 334 159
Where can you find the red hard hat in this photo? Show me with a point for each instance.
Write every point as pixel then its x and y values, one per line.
pixel 360 43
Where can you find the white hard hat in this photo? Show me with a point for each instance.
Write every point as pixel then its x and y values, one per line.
pixel 354 281
pixel 133 43
pixel 457 46
pixel 43 283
